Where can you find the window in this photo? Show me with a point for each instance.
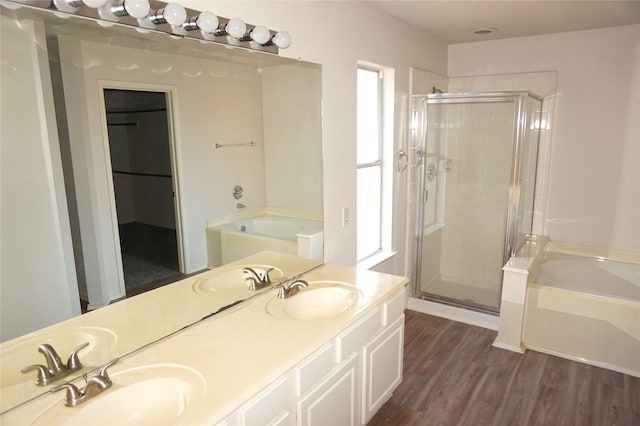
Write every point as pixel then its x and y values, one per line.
pixel 370 171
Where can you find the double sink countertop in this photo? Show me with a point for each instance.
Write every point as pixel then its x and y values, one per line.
pixel 220 362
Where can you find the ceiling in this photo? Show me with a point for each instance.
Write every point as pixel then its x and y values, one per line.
pixel 454 21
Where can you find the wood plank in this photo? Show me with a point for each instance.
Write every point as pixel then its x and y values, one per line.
pixel 453 376
pixel 632 395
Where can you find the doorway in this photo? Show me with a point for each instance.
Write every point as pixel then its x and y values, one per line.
pixel 141 154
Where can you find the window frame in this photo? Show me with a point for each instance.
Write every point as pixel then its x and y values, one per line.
pixel 382 251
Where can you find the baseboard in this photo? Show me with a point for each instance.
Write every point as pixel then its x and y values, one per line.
pixel 453 313
pixel 511 348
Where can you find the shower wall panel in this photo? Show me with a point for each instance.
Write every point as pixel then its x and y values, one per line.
pixel 479 149
pixel 543 83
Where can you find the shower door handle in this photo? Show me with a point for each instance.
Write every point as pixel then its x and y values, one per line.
pixel 402 162
pixel 431 172
pixel 419 153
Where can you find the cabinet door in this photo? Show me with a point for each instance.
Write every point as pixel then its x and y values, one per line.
pixel 382 368
pixel 271 406
pixel 334 400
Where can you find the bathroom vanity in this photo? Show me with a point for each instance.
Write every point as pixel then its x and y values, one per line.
pixel 329 354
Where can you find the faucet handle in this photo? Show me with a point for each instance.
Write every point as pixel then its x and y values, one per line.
pixel 73 363
pixel 44 375
pixel 103 370
pixel 73 397
pixel 265 276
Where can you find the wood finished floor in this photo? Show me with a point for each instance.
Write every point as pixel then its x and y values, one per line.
pixel 453 376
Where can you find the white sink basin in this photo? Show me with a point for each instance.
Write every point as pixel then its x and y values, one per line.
pixel 226 279
pixel 320 300
pixel 149 395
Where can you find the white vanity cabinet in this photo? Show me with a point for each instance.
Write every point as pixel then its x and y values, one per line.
pixel 382 368
pixel 269 407
pixel 382 358
pixel 343 383
pixel 334 400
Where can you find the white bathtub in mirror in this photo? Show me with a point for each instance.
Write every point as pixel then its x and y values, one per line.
pixel 230 240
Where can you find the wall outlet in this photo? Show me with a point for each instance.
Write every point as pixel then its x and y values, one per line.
pixel 345 216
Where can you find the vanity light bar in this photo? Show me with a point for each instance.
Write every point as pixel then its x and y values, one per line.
pixel 170 18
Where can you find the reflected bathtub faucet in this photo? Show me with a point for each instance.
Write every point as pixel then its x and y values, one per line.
pixel 255 280
pixel 55 368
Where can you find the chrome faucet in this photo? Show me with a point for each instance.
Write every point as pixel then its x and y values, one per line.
pixel 55 368
pixel 95 386
pixel 286 291
pixel 255 280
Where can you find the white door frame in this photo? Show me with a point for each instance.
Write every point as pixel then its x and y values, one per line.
pixel 170 92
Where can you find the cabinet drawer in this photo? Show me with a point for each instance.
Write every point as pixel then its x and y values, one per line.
pixel 394 308
pixel 313 369
pixel 268 406
pixel 357 335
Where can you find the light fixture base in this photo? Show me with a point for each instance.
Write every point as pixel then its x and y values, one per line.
pixel 116 12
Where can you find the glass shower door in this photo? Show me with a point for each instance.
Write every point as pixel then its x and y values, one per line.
pixel 469 210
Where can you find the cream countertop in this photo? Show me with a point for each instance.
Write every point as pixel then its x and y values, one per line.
pixel 129 324
pixel 242 351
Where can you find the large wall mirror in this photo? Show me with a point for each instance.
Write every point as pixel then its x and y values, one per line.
pixel 140 159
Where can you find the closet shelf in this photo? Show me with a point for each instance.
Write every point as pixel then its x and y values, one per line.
pixel 140 174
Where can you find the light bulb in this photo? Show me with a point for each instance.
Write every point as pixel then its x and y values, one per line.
pixel 95 4
pixel 207 22
pixel 174 14
pixel 235 27
pixel 66 6
pixel 260 34
pixel 137 8
pixel 282 39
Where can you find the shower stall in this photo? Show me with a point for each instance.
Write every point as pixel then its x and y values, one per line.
pixel 475 173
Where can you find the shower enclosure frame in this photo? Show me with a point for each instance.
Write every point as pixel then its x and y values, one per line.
pixel 419 143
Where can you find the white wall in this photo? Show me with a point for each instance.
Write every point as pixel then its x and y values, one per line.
pixel 594 182
pixel 337 35
pixel 292 123
pixel 38 282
